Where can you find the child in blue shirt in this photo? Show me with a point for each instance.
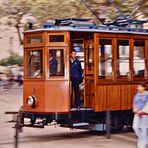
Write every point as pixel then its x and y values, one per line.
pixel 140 122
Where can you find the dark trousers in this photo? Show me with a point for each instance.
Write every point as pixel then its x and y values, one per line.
pixel 75 86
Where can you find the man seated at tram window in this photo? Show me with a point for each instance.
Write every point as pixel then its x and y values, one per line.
pixel 53 65
pixel 76 77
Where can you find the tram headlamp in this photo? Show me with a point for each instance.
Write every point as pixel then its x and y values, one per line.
pixel 31 101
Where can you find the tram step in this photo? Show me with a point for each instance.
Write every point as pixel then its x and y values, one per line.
pixel 82 109
pixel 80 124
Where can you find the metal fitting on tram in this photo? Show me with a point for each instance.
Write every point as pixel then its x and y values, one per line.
pixel 31 101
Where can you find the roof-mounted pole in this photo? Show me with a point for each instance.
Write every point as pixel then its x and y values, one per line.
pixel 100 20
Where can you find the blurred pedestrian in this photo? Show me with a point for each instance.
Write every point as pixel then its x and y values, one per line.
pixel 4 82
pixel 140 122
pixel 19 80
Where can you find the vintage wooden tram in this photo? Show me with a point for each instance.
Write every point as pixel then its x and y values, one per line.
pixel 114 61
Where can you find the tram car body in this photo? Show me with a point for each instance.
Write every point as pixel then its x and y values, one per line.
pixel 114 61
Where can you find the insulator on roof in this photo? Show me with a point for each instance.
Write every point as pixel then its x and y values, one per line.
pixel 30 26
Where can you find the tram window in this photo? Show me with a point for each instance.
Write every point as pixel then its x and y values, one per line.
pixel 123 58
pixel 34 64
pixel 139 58
pixel 105 59
pixel 56 38
pixel 79 48
pixel 56 62
pixel 34 39
pixel 78 45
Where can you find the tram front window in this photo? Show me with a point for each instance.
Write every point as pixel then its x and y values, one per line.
pixel 34 64
pixel 105 59
pixel 56 62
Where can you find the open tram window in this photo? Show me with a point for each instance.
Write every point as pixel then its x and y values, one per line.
pixel 123 58
pixel 56 62
pixel 34 64
pixel 139 58
pixel 105 59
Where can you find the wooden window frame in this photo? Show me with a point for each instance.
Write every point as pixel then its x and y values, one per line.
pixel 122 78
pixel 66 75
pixel 56 43
pixel 112 77
pixel 114 38
pixel 145 59
pixel 25 64
pixel 34 44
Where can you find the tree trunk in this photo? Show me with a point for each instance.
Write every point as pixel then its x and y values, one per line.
pixel 19 34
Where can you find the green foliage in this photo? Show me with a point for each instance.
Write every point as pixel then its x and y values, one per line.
pixel 13 59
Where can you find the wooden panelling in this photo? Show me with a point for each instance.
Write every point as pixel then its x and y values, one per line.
pixel 100 98
pixel 124 96
pixel 37 89
pixel 52 96
pixel 114 97
pixel 57 96
pixel 89 93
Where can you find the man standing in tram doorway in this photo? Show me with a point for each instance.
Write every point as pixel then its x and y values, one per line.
pixel 76 77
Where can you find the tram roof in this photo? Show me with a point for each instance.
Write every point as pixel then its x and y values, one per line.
pixel 100 29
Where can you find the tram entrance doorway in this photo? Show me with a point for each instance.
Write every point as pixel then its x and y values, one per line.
pixel 85 54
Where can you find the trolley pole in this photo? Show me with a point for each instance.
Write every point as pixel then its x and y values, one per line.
pixel 108 123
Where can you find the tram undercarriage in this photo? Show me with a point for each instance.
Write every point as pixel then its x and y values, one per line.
pixel 84 118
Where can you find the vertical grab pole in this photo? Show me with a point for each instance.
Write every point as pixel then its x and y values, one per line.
pixel 108 123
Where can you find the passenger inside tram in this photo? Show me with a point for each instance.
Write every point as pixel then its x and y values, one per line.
pixel 53 68
pixel 37 71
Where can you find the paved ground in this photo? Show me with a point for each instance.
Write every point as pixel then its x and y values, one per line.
pixel 52 137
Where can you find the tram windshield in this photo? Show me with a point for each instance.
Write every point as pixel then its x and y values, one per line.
pixel 34 64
